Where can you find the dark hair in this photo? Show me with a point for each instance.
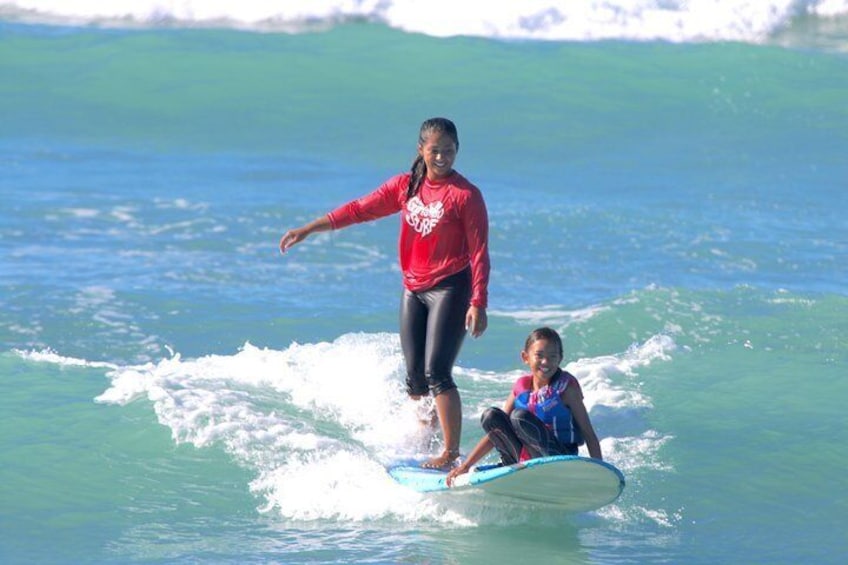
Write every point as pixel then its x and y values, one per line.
pixel 419 168
pixel 544 333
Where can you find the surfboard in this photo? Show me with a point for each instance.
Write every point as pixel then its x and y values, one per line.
pixel 567 482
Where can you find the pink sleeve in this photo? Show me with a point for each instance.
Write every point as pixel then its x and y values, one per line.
pixel 382 202
pixel 521 385
pixel 476 220
pixel 571 381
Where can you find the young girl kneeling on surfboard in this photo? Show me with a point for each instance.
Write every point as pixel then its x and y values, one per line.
pixel 543 415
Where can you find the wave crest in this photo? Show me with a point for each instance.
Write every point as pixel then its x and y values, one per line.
pixel 556 20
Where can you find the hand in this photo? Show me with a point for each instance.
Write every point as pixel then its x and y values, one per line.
pixel 476 321
pixel 291 238
pixel 297 235
pixel 454 473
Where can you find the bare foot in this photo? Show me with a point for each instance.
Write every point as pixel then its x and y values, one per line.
pixel 443 462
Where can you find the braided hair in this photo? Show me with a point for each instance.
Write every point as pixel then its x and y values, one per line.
pixel 419 169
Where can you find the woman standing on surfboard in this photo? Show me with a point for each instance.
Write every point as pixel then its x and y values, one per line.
pixel 543 415
pixel 444 258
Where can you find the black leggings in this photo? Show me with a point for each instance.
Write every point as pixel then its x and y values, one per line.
pixel 509 433
pixel 432 327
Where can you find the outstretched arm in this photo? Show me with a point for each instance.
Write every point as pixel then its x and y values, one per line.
pixel 296 235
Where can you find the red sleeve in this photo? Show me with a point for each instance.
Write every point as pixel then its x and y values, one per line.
pixel 384 201
pixel 476 220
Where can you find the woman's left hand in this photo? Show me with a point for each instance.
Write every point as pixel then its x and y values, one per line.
pixel 476 321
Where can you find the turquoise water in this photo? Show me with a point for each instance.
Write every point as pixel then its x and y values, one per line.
pixel 174 390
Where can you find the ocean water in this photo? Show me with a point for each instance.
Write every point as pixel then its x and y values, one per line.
pixel 667 184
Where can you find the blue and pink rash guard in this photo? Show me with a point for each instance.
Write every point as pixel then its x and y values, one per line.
pixel 444 229
pixel 546 403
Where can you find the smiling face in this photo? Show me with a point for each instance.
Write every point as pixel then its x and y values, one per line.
pixel 543 356
pixel 439 152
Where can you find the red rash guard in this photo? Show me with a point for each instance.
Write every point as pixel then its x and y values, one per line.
pixel 444 228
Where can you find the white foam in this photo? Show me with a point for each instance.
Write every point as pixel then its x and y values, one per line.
pixel 339 485
pixel 309 420
pixel 596 374
pixel 50 356
pixel 551 315
pixel 83 213
pixel 671 20
pixel 317 423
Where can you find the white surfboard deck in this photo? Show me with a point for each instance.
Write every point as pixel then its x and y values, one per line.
pixel 567 482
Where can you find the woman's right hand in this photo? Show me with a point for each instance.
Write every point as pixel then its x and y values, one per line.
pixel 292 237
pixel 296 235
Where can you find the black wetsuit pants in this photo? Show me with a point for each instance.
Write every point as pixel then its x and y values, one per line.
pixel 521 428
pixel 432 327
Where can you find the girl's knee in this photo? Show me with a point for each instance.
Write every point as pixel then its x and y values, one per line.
pixel 518 415
pixel 490 416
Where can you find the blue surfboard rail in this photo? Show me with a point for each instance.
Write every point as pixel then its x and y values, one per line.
pixel 571 481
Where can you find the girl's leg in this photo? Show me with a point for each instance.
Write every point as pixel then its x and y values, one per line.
pixel 536 437
pixel 497 426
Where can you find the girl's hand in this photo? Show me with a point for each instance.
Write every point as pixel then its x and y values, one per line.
pixel 454 473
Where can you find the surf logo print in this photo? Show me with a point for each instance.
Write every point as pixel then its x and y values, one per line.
pixel 546 396
pixel 423 218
